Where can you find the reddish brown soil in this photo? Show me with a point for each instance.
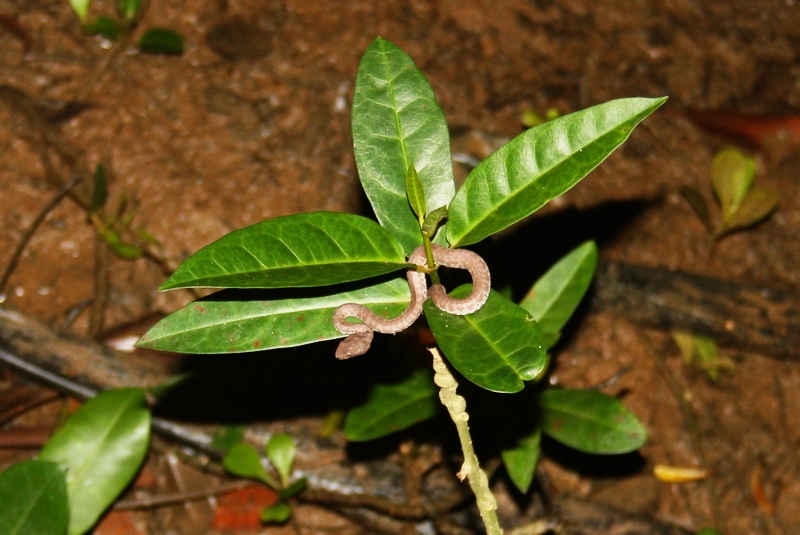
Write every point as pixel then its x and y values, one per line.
pixel 252 121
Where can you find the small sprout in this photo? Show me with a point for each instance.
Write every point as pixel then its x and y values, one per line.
pixel 243 460
pixel 703 353
pixel 742 204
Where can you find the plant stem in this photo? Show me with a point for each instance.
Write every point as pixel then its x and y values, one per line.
pixel 471 469
pixel 432 273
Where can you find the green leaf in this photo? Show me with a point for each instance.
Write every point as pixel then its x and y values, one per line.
pixel 294 488
pixel 81 8
pixel 243 460
pixel 234 321
pixel 497 348
pixel 107 27
pixel 281 452
pixel 397 123
pixel 699 205
pixel 276 514
pixel 756 206
pixel 301 250
pixel 732 176
pixel 161 41
pixel 415 193
pixel 129 8
pixel 539 165
pixel 590 421
pixel 227 437
pixel 33 495
pixel 432 220
pixel 99 189
pixel 101 447
pixel 555 296
pixel 393 407
pixel 521 460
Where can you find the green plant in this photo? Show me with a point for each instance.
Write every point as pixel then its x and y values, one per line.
pixel 81 470
pixel 154 41
pixel 402 152
pixel 702 352
pixel 742 204
pixel 243 460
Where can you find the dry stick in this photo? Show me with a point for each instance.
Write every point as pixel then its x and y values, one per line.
pixel 471 469
pixel 23 243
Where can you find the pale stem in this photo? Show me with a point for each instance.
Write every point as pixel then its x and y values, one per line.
pixel 471 469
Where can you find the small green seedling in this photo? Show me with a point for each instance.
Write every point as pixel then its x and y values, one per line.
pixel 153 41
pixel 361 276
pixel 742 203
pixel 81 470
pixel 702 352
pixel 243 460
pixel 124 241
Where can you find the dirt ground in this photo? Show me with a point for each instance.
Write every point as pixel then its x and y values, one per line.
pixel 252 122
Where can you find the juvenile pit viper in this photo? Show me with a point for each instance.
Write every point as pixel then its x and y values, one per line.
pixel 360 334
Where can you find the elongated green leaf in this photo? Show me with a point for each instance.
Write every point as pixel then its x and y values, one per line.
pixel 301 250
pixel 497 348
pixel 394 407
pixel 281 452
pixel 33 499
pixel 397 123
pixel 556 295
pixel 101 447
pixel 415 192
pixel 590 421
pixel 539 165
pixel 521 460
pixel 238 321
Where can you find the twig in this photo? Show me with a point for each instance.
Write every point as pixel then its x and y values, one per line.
pixel 471 469
pixel 23 243
pixel 181 497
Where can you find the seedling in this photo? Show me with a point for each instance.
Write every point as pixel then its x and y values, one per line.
pixel 347 267
pixel 124 241
pixel 153 41
pixel 742 204
pixel 702 352
pixel 243 460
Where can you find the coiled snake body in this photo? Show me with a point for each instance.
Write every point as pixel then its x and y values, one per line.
pixel 360 334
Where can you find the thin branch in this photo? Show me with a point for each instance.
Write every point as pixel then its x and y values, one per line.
pixel 23 243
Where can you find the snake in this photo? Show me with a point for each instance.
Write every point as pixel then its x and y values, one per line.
pixel 360 334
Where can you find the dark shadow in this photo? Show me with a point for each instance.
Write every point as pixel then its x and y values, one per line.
pixel 520 257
